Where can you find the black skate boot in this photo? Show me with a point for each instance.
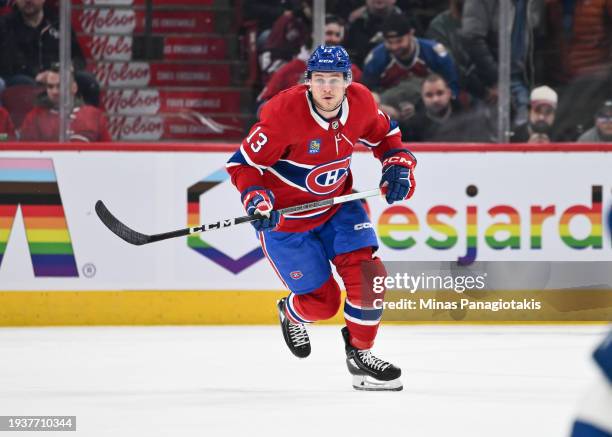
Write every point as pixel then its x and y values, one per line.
pixel 370 373
pixel 295 334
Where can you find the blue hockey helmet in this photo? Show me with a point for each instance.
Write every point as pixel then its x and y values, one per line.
pixel 332 59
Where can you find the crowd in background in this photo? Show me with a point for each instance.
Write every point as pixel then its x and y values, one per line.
pixel 432 65
pixel 30 78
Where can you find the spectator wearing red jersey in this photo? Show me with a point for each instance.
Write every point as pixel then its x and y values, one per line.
pixel 289 33
pixel 87 123
pixel 292 73
pixel 7 130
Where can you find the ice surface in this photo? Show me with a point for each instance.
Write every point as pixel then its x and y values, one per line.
pixel 243 381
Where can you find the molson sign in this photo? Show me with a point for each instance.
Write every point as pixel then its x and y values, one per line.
pixel 127 21
pixel 31 185
pixel 142 74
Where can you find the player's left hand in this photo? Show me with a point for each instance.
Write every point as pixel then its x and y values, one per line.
pixel 397 179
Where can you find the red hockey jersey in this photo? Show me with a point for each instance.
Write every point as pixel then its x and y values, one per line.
pixel 87 124
pixel 7 130
pixel 303 157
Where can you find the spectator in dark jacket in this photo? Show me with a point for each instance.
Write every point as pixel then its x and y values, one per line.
pixel 29 45
pixel 435 109
pixel 480 30
pixel 445 28
pixel 602 131
pixel 365 25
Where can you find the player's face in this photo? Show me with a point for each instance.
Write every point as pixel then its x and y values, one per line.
pixel 334 34
pixel 436 96
pixel 604 124
pixel 327 89
pixel 400 46
pixel 542 113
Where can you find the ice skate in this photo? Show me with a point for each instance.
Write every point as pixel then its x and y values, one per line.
pixel 295 334
pixel 369 372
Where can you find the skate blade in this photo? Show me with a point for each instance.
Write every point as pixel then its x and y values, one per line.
pixel 367 383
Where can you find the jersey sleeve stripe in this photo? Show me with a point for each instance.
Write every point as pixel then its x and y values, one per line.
pixel 368 143
pixel 394 131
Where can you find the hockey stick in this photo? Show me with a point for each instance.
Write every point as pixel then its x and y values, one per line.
pixel 135 237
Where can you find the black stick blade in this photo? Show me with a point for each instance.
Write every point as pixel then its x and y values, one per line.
pixel 118 228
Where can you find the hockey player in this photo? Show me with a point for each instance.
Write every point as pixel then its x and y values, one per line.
pixel 595 415
pixel 300 151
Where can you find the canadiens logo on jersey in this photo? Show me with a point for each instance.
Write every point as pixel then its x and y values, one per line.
pixel 315 146
pixel 296 275
pixel 326 178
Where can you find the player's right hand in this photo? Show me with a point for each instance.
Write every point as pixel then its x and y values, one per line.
pixel 259 201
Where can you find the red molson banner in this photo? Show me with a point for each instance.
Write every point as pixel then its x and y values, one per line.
pixel 189 125
pixel 142 74
pixel 119 47
pixel 128 21
pixel 152 101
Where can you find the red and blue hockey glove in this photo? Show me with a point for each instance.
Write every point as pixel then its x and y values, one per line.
pixel 259 201
pixel 397 179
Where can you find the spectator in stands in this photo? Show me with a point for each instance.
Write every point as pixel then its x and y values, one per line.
pixel 542 108
pixel 436 108
pixel 577 58
pixel 5 7
pixel 265 12
pixel 480 29
pixel 292 73
pixel 7 130
pixel 602 131
pixel 445 28
pixel 29 44
pixel 396 68
pixel 365 28
pixel 423 10
pixel 287 37
pixel 344 8
pixel 87 123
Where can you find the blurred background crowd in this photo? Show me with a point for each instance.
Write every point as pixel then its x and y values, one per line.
pixel 186 70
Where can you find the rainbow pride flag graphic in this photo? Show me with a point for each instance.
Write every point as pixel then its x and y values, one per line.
pixel 32 185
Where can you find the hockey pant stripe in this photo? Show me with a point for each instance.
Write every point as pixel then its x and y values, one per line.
pixel 361 315
pixel 292 312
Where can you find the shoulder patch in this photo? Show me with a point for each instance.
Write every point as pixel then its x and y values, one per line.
pixel 440 49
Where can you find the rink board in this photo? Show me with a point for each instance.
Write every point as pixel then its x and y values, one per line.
pixel 60 266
